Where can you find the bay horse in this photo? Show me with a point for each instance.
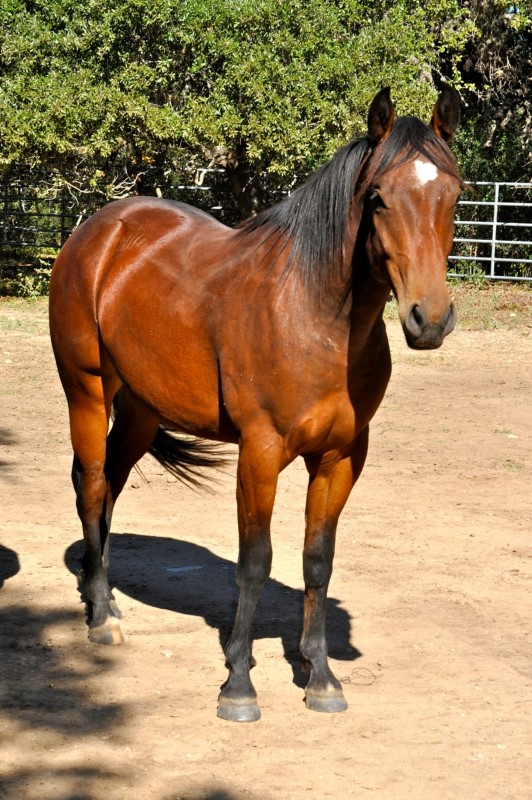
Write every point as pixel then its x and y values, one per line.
pixel 269 335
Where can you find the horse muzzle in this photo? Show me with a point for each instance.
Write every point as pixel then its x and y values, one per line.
pixel 424 333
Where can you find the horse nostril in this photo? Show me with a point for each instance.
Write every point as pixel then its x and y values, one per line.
pixel 422 332
pixel 415 320
pixel 418 315
pixel 450 320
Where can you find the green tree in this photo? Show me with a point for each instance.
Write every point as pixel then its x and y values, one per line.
pixel 495 142
pixel 261 87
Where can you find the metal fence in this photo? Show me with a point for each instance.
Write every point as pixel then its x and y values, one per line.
pixel 39 212
pixel 493 234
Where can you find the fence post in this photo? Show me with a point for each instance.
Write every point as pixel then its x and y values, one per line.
pixel 4 212
pixel 63 233
pixel 494 231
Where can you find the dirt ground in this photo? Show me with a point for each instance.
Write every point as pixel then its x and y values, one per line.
pixel 428 615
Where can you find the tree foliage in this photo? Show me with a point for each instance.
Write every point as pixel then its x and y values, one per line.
pixel 261 87
pixel 496 69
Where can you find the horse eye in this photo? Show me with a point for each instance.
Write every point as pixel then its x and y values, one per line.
pixel 376 202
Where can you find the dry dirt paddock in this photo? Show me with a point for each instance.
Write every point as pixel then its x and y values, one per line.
pixel 429 606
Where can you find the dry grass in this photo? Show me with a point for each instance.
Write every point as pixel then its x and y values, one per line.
pixel 18 315
pixel 493 305
pixel 488 306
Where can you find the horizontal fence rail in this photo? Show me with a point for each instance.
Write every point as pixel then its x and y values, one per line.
pixel 493 232
pixel 38 212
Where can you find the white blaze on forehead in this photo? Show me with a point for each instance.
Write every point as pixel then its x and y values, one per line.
pixel 425 171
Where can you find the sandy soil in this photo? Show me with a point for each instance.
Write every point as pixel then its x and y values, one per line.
pixel 428 615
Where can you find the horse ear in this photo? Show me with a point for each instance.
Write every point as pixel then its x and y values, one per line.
pixel 446 114
pixel 381 115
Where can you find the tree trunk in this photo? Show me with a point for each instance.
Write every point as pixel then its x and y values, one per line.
pixel 244 182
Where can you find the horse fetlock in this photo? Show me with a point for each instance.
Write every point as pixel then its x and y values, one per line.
pixel 314 653
pixel 238 663
pixel 238 658
pixel 239 673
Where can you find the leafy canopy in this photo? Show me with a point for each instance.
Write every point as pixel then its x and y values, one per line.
pixel 286 82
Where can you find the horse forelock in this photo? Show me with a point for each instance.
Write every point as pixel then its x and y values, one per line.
pixel 409 139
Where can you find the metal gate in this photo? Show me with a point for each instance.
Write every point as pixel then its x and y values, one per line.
pixel 493 234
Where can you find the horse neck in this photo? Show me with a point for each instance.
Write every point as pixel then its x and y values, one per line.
pixel 368 294
pixel 352 311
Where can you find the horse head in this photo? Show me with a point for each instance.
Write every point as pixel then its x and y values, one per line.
pixel 409 188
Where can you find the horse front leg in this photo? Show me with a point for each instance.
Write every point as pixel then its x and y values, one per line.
pixel 330 482
pixel 258 469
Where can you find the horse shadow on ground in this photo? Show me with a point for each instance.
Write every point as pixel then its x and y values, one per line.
pixel 9 564
pixel 7 439
pixel 185 578
pixel 38 687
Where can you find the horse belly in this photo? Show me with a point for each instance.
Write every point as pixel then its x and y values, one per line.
pixel 188 404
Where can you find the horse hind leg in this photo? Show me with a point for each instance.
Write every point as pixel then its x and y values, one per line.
pixel 131 436
pixel 101 467
pixel 89 415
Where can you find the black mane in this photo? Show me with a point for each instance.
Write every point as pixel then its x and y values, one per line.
pixel 312 221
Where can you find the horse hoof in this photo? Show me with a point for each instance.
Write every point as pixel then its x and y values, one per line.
pixel 245 710
pixel 327 703
pixel 108 633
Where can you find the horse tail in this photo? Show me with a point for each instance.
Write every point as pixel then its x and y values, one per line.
pixel 187 459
